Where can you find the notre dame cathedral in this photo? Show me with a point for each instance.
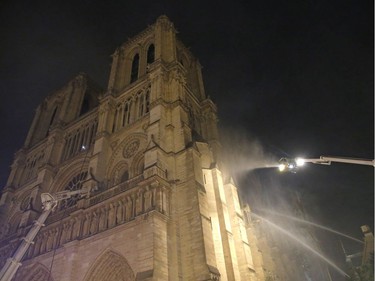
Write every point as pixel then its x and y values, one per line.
pixel 161 206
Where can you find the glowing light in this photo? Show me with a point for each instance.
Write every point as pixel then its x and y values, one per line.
pixel 83 147
pixel 282 167
pixel 300 162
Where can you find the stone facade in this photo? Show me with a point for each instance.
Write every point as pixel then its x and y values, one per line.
pixel 161 206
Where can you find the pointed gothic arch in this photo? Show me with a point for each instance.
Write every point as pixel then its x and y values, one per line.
pixel 34 272
pixel 135 68
pixel 151 53
pixel 184 60
pixel 137 165
pixel 129 149
pixel 110 266
pixel 120 173
pixel 64 175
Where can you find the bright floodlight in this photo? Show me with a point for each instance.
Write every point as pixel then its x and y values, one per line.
pixel 287 165
pixel 282 167
pixel 300 162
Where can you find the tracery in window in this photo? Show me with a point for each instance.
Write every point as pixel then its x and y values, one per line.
pixel 32 164
pixel 131 109
pixel 80 140
pixel 141 104
pixel 137 165
pixel 143 100
pixel 75 184
pixel 120 173
pixel 135 68
pixel 126 116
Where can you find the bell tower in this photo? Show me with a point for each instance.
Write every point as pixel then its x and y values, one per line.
pixel 161 206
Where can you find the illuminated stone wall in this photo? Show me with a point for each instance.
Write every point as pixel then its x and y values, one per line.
pixel 161 207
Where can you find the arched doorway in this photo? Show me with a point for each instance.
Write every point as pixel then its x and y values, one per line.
pixel 110 266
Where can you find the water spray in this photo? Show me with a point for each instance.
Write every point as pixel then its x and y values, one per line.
pixel 303 244
pixel 314 224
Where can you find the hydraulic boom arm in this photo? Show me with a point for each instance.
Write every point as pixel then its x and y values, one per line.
pixel 291 165
pixel 49 202
pixel 326 160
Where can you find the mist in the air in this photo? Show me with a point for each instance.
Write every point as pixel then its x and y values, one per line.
pixel 243 153
pixel 273 199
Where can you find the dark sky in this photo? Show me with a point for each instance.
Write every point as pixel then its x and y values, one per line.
pixel 297 76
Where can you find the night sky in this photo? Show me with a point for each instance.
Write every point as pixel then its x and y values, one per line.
pixel 296 77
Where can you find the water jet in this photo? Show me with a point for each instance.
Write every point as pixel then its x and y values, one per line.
pixel 302 243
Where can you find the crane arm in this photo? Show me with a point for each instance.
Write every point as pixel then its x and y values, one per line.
pixel 291 165
pixel 326 160
pixel 13 263
pixel 49 203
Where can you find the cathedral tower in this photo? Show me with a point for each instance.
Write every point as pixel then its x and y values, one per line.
pixel 161 207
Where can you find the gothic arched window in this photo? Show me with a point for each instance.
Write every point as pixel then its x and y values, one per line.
pixel 135 68
pixel 75 184
pixel 85 107
pixel 151 54
pixel 141 105
pixel 125 176
pixel 125 117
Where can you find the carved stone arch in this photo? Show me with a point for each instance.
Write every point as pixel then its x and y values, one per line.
pixel 150 40
pixel 118 173
pixel 136 96
pixel 48 115
pixel 184 59
pixel 127 149
pixel 19 200
pixel 137 165
pixel 33 272
pixel 25 199
pixel 146 88
pixel 138 99
pixel 136 49
pixel 110 266
pixel 148 45
pixel 68 172
pixel 130 54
